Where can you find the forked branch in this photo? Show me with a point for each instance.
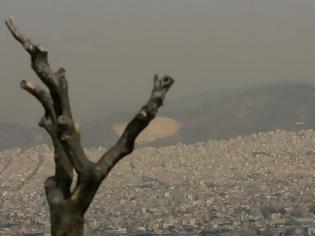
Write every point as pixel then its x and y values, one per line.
pixel 65 134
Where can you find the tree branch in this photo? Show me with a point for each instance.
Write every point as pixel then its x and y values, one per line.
pixel 85 190
pixel 42 96
pixel 125 144
pixel 57 120
pixel 39 56
pixel 53 107
pixel 65 133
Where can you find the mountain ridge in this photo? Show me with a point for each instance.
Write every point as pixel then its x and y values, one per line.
pixel 211 115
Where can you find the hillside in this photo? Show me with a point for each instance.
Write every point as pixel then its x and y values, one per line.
pixel 224 114
pixel 213 115
pixel 16 135
pixel 212 186
pixel 287 106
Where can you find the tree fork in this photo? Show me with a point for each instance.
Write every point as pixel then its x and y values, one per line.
pixel 67 208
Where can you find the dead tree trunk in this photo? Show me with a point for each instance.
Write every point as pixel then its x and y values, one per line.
pixel 67 208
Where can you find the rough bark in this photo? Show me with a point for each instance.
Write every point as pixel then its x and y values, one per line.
pixel 67 208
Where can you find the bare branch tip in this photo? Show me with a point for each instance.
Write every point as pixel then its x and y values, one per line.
pixel 10 20
pixel 163 83
pixel 27 85
pixel 41 48
pixel 23 83
pixel 10 23
pixel 167 77
pixel 60 73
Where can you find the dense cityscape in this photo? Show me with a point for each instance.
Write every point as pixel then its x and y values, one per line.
pixel 261 184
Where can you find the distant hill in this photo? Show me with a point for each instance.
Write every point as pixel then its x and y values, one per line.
pixel 287 106
pixel 224 114
pixel 16 135
pixel 213 115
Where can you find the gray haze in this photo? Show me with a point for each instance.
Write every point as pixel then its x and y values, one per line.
pixel 112 48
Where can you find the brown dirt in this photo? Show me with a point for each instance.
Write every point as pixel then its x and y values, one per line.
pixel 160 127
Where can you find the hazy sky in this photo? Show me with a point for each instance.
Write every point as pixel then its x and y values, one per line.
pixel 112 48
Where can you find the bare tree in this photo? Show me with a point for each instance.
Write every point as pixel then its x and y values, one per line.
pixel 68 206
